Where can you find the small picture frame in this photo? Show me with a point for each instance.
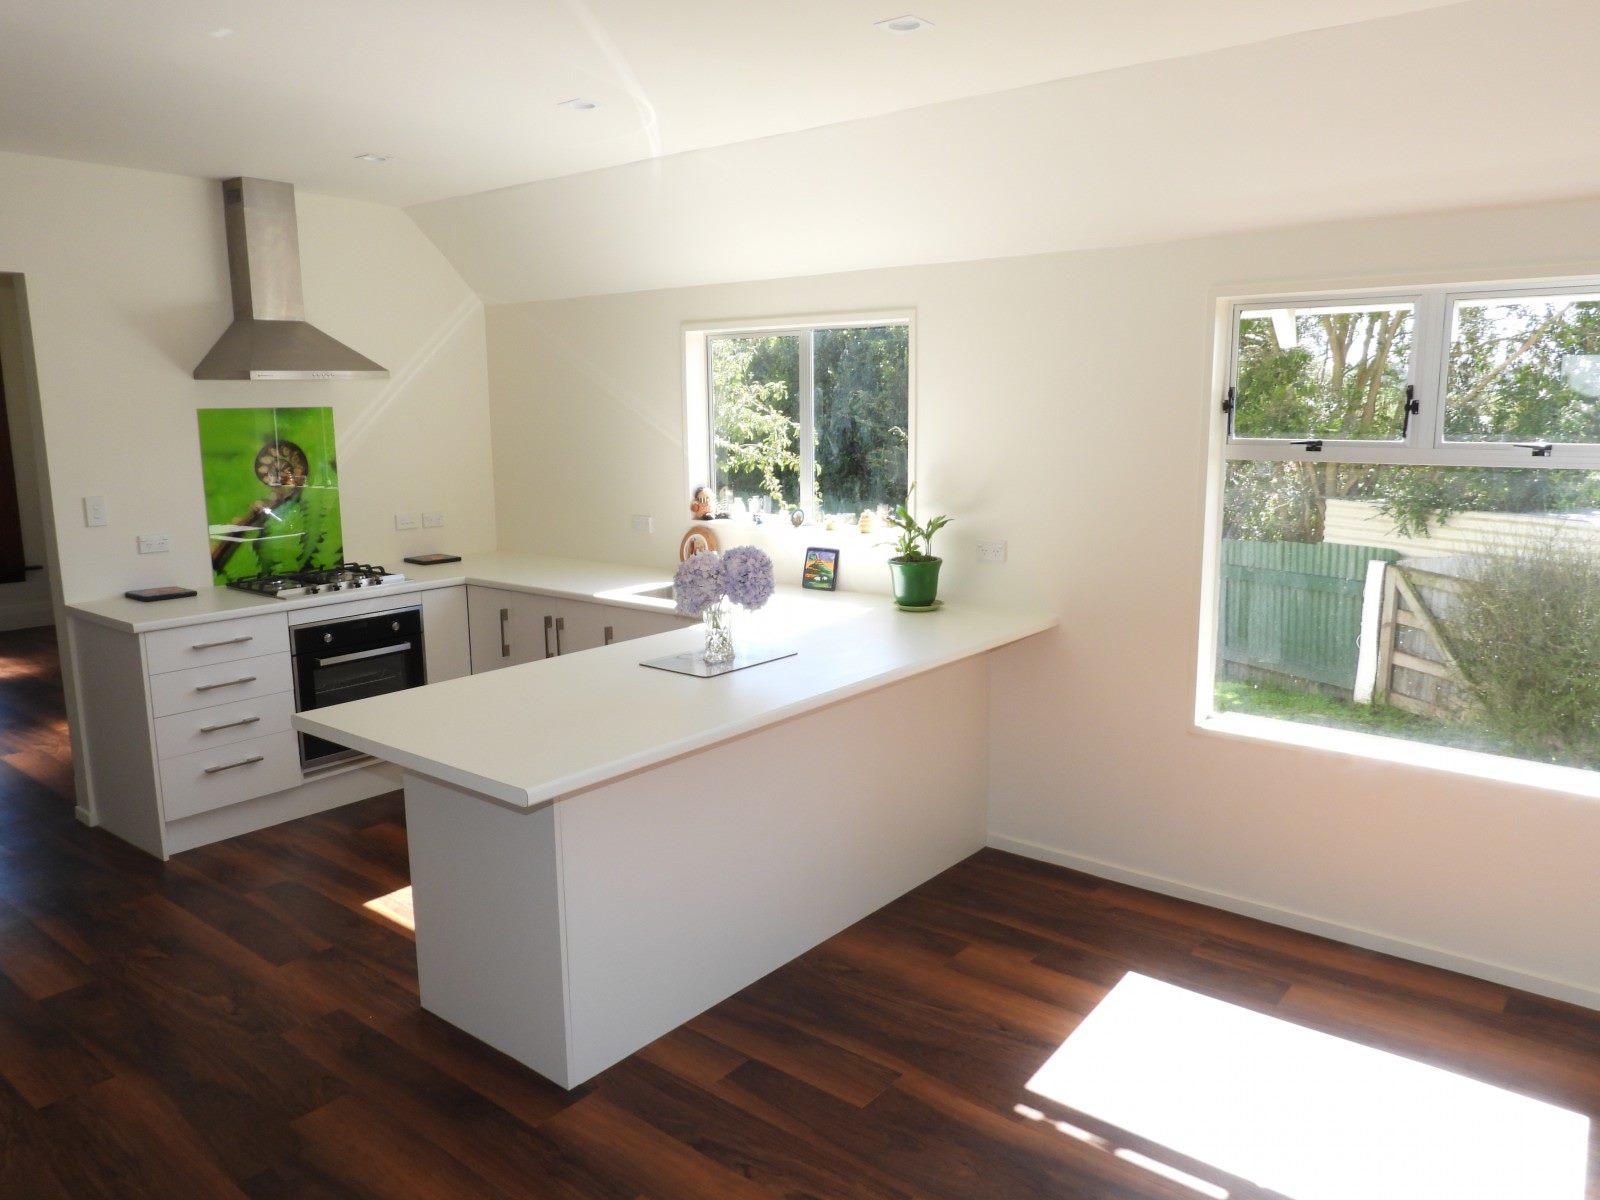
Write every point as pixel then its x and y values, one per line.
pixel 821 570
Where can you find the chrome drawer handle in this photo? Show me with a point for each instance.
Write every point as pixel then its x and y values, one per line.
pixel 229 724
pixel 237 641
pixel 243 762
pixel 211 687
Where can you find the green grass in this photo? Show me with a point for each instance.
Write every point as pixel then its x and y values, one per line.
pixel 1265 700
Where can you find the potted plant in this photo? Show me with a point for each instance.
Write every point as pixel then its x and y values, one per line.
pixel 914 569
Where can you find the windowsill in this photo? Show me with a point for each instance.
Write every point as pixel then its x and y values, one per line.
pixel 1375 748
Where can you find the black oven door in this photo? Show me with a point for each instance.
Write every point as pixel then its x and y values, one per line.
pixel 353 660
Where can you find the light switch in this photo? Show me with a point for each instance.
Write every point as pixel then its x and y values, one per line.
pixel 94 511
pixel 405 520
pixel 432 520
pixel 991 551
pixel 643 523
pixel 154 543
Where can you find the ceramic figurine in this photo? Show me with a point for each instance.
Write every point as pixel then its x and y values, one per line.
pixel 700 504
pixel 797 517
pixel 866 522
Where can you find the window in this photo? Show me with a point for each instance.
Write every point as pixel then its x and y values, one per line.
pixel 1410 520
pixel 816 417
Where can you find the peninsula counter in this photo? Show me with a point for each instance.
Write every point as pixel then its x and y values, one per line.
pixel 601 851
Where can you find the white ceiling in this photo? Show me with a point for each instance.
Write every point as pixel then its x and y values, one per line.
pixel 463 93
pixel 1475 104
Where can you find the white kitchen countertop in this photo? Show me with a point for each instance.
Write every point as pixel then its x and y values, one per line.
pixel 527 734
pixel 571 578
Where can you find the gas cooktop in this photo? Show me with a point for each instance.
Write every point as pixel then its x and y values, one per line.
pixel 346 577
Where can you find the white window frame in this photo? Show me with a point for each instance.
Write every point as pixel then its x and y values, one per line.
pixel 700 455
pixel 1425 445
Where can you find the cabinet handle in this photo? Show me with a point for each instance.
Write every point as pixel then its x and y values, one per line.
pixel 229 724
pixel 549 624
pixel 243 762
pixel 211 687
pixel 610 633
pixel 561 623
pixel 505 646
pixel 233 641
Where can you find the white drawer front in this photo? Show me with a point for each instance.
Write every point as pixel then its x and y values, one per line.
pixel 208 728
pixel 197 783
pixel 215 642
pixel 207 687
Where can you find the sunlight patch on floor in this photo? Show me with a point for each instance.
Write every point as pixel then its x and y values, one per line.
pixel 1306 1114
pixel 395 907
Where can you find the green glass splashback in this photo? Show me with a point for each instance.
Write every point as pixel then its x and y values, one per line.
pixel 272 490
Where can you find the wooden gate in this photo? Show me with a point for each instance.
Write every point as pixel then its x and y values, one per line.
pixel 1410 664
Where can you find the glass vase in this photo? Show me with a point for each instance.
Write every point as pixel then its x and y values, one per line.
pixel 718 621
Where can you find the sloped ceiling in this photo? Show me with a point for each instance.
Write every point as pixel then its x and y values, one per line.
pixel 1475 104
pixel 464 93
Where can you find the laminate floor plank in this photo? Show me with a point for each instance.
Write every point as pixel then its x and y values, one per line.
pixel 236 1024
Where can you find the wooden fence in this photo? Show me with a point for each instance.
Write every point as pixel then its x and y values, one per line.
pixel 1291 613
pixel 1406 659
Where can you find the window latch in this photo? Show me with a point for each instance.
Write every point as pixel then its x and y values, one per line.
pixel 1412 407
pixel 1312 445
pixel 1540 449
pixel 1229 403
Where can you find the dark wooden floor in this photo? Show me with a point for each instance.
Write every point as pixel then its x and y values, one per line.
pixel 235 1023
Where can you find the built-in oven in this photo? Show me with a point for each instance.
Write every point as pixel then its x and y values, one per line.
pixel 353 659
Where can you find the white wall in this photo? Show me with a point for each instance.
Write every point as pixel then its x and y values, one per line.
pixel 127 286
pixel 1064 404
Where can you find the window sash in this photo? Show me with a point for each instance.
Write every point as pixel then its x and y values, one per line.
pixel 1425 443
pixel 807 399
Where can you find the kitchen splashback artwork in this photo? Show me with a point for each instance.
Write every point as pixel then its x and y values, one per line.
pixel 272 490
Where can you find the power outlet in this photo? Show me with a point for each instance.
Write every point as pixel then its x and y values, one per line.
pixel 94 511
pixel 991 551
pixel 405 520
pixel 154 543
pixel 433 520
pixel 643 524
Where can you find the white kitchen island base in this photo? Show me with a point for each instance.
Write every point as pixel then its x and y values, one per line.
pixel 571 934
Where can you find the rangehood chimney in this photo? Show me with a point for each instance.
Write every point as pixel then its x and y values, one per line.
pixel 269 337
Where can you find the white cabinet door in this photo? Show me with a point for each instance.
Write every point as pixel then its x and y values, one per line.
pixel 508 628
pixel 627 623
pixel 445 644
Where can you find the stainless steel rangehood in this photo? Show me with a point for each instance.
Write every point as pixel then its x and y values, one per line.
pixel 269 337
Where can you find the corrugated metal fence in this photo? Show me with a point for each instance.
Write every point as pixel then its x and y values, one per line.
pixel 1291 612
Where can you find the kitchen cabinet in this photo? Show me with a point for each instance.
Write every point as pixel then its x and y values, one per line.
pixel 508 628
pixel 445 643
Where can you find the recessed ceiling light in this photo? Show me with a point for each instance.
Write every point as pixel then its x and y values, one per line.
pixel 905 24
pixel 222 33
pixel 579 104
pixel 377 158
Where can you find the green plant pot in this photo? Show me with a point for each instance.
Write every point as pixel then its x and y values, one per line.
pixel 916 583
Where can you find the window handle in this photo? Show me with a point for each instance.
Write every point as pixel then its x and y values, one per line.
pixel 1312 445
pixel 1540 449
pixel 1411 408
